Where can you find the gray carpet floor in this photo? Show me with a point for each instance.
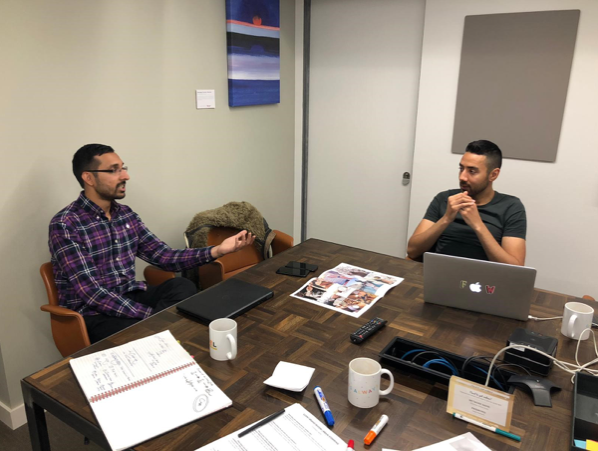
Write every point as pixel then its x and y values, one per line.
pixel 62 437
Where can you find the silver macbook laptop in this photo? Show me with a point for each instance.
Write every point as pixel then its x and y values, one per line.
pixel 477 285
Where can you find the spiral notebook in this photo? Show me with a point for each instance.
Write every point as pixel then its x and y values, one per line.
pixel 145 388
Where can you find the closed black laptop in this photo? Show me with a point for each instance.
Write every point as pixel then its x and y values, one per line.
pixel 228 299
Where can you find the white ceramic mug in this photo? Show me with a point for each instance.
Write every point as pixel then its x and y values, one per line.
pixel 223 339
pixel 576 318
pixel 364 382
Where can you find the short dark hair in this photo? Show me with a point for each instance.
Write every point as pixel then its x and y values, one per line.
pixel 489 150
pixel 83 159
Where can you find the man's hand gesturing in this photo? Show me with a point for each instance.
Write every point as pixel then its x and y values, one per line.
pixel 456 204
pixel 233 244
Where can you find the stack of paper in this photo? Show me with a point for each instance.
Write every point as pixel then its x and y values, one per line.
pixel 295 430
pixel 465 442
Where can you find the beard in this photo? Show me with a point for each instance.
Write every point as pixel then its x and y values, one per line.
pixel 473 191
pixel 110 194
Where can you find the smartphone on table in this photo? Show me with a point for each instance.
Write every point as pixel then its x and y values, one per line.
pixel 297 272
pixel 301 265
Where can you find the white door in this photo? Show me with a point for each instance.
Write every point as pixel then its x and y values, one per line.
pixel 364 76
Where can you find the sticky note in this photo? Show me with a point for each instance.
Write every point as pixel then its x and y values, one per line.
pixel 290 376
pixel 592 445
pixel 580 444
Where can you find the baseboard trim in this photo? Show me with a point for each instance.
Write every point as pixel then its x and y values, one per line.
pixel 13 418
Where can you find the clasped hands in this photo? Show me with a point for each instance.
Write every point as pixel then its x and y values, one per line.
pixel 464 204
pixel 233 244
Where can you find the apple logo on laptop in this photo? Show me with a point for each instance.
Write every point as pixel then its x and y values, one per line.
pixel 475 287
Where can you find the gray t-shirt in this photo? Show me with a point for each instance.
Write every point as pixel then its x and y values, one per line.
pixel 504 216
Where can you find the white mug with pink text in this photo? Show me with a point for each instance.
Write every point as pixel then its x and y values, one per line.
pixel 364 382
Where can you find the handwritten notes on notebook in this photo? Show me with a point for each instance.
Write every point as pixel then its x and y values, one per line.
pixel 144 388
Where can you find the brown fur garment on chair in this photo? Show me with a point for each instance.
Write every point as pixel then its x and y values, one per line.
pixel 237 215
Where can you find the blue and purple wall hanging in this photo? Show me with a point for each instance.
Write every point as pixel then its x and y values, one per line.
pixel 253 47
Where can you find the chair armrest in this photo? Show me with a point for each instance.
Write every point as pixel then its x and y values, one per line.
pixel 68 329
pixel 281 242
pixel 211 274
pixel 60 311
pixel 155 276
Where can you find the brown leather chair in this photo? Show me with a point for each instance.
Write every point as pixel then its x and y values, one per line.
pixel 155 276
pixel 68 327
pixel 231 264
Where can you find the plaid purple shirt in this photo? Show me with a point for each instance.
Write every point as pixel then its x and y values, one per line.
pixel 94 258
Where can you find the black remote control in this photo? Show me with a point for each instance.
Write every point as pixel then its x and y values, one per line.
pixel 367 330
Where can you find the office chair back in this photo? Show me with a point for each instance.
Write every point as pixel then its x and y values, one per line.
pixel 246 257
pixel 47 274
pixel 231 264
pixel 68 327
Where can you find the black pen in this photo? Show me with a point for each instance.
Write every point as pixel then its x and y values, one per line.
pixel 261 423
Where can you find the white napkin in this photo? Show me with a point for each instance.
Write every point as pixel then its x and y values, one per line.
pixel 290 376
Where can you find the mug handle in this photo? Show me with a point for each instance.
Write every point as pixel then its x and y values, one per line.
pixel 392 381
pixel 233 348
pixel 571 329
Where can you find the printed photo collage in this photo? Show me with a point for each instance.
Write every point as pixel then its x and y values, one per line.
pixel 347 289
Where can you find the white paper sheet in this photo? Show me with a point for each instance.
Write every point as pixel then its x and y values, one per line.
pixel 464 442
pixel 295 430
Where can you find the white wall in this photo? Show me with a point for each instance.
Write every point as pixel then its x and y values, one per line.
pixel 365 61
pixel 561 198
pixel 298 166
pixel 124 74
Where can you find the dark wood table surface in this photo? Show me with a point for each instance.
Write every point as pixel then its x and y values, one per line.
pixel 285 328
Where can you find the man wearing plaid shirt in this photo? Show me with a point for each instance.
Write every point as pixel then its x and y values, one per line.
pixel 94 242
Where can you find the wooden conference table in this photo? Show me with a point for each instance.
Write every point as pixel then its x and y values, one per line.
pixel 288 329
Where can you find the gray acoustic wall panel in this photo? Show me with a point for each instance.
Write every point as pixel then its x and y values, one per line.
pixel 513 81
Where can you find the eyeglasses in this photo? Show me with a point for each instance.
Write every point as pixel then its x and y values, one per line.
pixel 110 171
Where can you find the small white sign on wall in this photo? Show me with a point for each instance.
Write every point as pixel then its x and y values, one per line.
pixel 205 98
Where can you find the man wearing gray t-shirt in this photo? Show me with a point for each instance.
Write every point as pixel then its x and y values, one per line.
pixel 474 221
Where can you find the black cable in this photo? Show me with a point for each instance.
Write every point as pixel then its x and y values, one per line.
pixel 467 362
pixel 473 358
pixel 514 364
pixel 486 359
pixel 496 367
